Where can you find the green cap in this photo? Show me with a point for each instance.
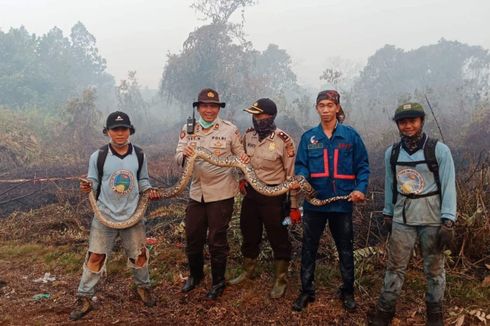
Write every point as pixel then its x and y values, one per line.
pixel 409 110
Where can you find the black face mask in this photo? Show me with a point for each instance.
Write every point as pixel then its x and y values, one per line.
pixel 264 127
pixel 413 143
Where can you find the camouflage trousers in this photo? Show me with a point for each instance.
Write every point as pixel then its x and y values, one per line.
pixel 400 247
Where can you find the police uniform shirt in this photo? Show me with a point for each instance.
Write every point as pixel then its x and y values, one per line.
pixel 210 182
pixel 272 158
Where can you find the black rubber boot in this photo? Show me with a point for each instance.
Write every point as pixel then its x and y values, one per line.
pixel 434 314
pixel 218 271
pixel 347 299
pixel 380 318
pixel 302 301
pixel 196 264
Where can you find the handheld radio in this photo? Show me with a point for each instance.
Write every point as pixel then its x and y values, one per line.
pixel 191 122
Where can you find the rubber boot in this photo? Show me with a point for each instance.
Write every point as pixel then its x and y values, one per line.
pixel 249 265
pixel 380 317
pixel 280 278
pixel 218 271
pixel 196 264
pixel 302 301
pixel 434 314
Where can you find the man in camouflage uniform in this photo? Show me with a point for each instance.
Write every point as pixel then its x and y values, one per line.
pixel 211 193
pixel 419 204
pixel 271 152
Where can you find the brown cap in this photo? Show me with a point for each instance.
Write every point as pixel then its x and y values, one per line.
pixel 208 95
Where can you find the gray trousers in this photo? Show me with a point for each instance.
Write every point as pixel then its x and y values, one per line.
pixel 400 246
pixel 101 241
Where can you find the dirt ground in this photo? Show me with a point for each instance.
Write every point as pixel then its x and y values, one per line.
pixel 116 302
pixel 53 239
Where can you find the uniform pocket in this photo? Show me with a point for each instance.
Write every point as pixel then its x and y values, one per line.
pixel 318 163
pixel 343 164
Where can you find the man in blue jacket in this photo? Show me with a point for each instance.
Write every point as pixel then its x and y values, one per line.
pixel 333 158
pixel 420 203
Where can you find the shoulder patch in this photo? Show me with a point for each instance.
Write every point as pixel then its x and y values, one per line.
pixel 290 149
pixel 283 136
pixel 250 130
pixel 182 134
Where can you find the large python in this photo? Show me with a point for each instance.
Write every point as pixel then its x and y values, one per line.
pixel 230 161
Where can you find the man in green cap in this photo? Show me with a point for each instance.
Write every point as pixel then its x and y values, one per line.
pixel 420 202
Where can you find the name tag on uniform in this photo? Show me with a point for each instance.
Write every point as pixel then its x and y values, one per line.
pixel 219 144
pixel 315 146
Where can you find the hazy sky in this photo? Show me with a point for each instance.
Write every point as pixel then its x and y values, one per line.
pixel 137 35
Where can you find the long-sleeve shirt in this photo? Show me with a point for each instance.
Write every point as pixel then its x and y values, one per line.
pixel 419 180
pixel 334 167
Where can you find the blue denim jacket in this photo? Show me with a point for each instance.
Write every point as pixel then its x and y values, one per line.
pixel 334 167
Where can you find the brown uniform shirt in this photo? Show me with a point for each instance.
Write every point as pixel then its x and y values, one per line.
pixel 272 158
pixel 210 182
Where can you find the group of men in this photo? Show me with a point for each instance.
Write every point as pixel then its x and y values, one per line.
pixel 420 201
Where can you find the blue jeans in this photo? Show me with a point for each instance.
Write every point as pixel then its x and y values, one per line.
pixel 341 229
pixel 101 241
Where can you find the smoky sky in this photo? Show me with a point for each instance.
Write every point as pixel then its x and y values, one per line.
pixel 137 35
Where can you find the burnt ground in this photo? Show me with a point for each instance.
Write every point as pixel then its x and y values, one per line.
pixel 54 239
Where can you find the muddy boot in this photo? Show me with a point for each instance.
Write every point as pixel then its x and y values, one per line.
pixel 196 264
pixel 82 307
pixel 146 296
pixel 280 278
pixel 248 272
pixel 380 317
pixel 434 314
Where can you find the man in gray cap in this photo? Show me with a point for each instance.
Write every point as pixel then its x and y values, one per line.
pixel 420 202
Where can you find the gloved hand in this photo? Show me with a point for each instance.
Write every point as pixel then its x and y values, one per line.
pixel 446 233
pixel 295 215
pixel 388 223
pixel 242 186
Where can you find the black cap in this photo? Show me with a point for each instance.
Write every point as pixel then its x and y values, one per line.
pixel 208 95
pixel 118 119
pixel 264 105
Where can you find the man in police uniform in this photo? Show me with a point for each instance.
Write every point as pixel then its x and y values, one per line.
pixel 211 193
pixel 420 203
pixel 271 152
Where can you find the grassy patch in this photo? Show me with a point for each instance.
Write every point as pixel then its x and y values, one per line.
pixel 327 275
pixel 470 292
pixel 13 251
